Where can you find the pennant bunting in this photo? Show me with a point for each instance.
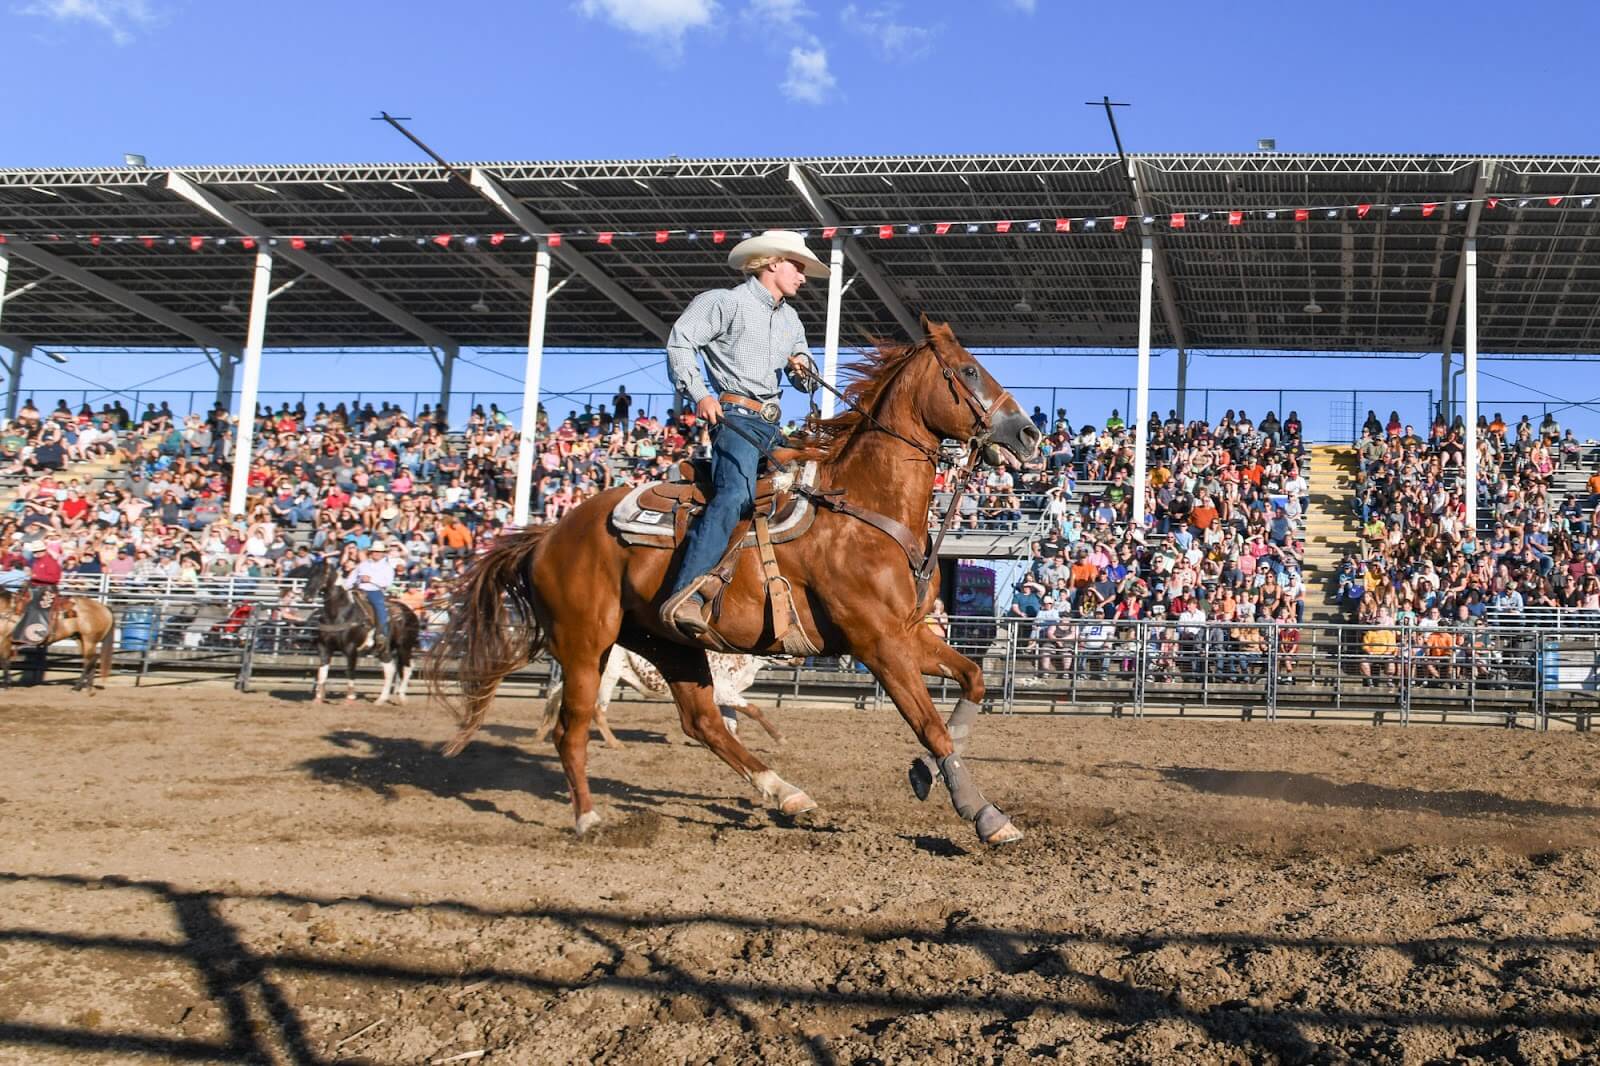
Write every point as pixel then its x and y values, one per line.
pixel 442 240
pixel 661 236
pixel 1429 209
pixel 249 243
pixel 1063 225
pixel 1555 201
pixel 94 239
pixel 1301 214
pixel 1003 226
pixel 828 232
pixel 1178 221
pixel 297 243
pixel 1362 209
pixel 718 236
pixel 1235 218
pixel 941 228
pixel 1119 222
pixel 885 232
pixel 1493 202
pixel 195 243
pixel 553 241
pixel 496 239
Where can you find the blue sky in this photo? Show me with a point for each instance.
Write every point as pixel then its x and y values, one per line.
pixel 186 82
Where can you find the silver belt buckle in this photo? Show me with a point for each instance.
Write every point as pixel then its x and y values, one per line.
pixel 770 411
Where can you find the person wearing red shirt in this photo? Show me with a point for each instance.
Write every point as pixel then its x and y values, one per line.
pixel 43 575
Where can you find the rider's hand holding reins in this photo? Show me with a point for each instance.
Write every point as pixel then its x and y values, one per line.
pixel 804 370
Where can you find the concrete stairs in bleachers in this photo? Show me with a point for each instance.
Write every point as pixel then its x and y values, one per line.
pixel 1332 527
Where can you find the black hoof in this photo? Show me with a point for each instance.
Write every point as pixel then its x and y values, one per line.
pixel 923 773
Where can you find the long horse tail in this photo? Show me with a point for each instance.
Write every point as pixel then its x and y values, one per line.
pixel 482 642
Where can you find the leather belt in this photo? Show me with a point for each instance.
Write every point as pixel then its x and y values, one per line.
pixel 769 411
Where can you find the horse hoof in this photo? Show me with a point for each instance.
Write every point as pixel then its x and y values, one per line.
pixel 585 822
pixel 994 828
pixel 798 803
pixel 923 773
pixel 350 698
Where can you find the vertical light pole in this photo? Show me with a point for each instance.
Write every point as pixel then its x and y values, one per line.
pixel 245 428
pixel 1141 402
pixel 528 440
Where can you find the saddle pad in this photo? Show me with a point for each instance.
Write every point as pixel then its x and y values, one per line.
pixel 654 528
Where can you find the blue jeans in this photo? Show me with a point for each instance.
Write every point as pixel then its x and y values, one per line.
pixel 380 605
pixel 733 478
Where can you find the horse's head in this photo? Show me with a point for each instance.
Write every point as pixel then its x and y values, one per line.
pixel 322 578
pixel 962 401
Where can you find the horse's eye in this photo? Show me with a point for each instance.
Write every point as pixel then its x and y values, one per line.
pixel 970 371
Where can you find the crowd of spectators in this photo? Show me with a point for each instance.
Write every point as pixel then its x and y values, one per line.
pixel 1222 536
pixel 322 482
pixel 1418 564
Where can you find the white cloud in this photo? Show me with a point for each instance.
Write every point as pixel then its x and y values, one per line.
pixel 119 18
pixel 787 12
pixel 664 21
pixel 809 80
pixel 882 26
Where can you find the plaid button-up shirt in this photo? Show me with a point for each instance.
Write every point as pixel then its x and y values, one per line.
pixel 746 337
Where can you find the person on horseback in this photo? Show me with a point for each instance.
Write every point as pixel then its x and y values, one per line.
pixel 372 578
pixel 44 575
pixel 747 334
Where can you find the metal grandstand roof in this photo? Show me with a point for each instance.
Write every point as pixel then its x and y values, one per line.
pixel 1384 283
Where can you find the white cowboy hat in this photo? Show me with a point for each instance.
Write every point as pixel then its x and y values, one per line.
pixel 785 243
pixel 377 546
pixel 34 546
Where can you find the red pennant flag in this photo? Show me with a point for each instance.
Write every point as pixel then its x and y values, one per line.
pixel 553 241
pixel 1235 218
pixel 1119 222
pixel 941 228
pixel 661 236
pixel 885 232
pixel 248 242
pixel 1178 221
pixel 442 240
pixel 1362 209
pixel 497 239
pixel 149 242
pixel 94 239
pixel 1555 201
pixel 2 238
pixel 1494 202
pixel 718 236
pixel 1428 209
pixel 347 237
pixel 605 237
pixel 297 242
pixel 828 232
pixel 195 243
pixel 1063 225
pixel 1301 214
pixel 1002 227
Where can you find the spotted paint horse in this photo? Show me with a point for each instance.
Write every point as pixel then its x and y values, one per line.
pixel 731 677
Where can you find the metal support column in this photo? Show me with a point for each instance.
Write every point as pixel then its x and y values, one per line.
pixel 446 358
pixel 245 426
pixel 226 362
pixel 527 442
pixel 1444 386
pixel 830 338
pixel 1140 412
pixel 1470 409
pixel 19 354
pixel 1183 386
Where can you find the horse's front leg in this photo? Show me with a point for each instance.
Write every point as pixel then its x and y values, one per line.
pixel 939 659
pixel 324 662
pixel 897 663
pixel 88 653
pixel 388 678
pixel 350 673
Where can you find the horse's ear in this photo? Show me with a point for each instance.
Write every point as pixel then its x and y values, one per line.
pixel 930 328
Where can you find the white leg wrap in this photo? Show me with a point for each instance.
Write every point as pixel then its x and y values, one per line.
pixel 782 795
pixel 405 682
pixel 388 682
pixel 730 720
pixel 585 822
pixel 322 682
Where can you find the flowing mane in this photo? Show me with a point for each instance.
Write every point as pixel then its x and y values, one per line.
pixel 867 377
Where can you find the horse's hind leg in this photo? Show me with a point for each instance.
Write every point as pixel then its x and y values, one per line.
pixel 689 676
pixel 899 669
pixel 90 653
pixel 580 686
pixel 350 673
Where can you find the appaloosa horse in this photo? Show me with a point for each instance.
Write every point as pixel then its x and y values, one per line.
pixel 75 616
pixel 344 625
pixel 862 580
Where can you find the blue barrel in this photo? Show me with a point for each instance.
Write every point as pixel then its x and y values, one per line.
pixel 138 628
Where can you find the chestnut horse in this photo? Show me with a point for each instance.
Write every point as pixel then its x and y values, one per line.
pixel 861 578
pixel 76 616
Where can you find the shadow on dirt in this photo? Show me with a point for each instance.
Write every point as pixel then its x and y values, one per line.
pixel 384 764
pixel 254 986
pixel 1288 787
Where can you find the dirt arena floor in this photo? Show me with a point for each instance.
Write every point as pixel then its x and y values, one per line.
pixel 192 875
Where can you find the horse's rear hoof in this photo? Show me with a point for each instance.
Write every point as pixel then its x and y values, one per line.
pixel 798 803
pixel 994 828
pixel 585 822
